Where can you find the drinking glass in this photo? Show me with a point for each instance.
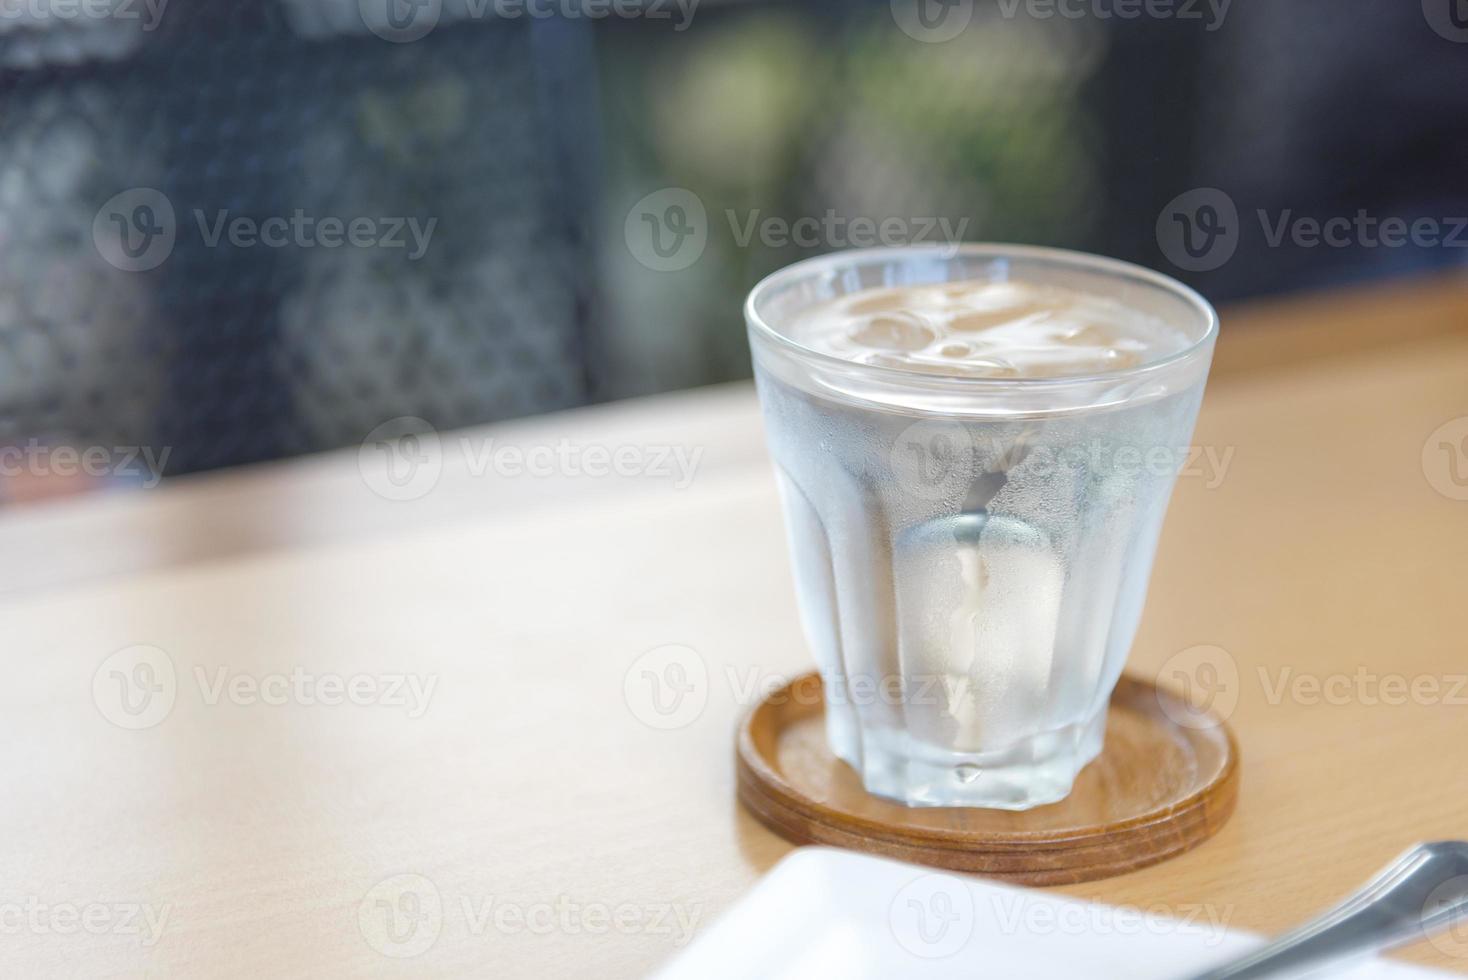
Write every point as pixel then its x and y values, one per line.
pixel 971 554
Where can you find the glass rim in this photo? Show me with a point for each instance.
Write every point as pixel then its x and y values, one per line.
pixel 1059 257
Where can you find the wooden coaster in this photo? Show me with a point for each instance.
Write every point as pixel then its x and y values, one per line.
pixel 1157 789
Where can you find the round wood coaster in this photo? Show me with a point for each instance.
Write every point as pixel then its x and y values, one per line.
pixel 1157 789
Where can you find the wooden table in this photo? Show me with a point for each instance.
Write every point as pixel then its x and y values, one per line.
pixel 562 835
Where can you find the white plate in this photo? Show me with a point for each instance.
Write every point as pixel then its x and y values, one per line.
pixel 830 913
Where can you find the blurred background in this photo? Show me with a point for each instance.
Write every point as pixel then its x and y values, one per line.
pixel 233 232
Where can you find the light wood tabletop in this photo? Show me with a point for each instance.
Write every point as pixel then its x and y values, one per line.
pixel 274 723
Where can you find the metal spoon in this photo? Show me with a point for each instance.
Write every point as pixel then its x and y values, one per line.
pixel 1423 891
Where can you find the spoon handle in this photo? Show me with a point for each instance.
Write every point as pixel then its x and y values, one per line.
pixel 1424 890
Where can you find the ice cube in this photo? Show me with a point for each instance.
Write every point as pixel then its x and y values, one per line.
pixel 978 596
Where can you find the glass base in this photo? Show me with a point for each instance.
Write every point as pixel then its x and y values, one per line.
pixel 1032 773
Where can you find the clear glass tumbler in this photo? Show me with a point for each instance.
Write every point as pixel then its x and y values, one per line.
pixel 971 554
